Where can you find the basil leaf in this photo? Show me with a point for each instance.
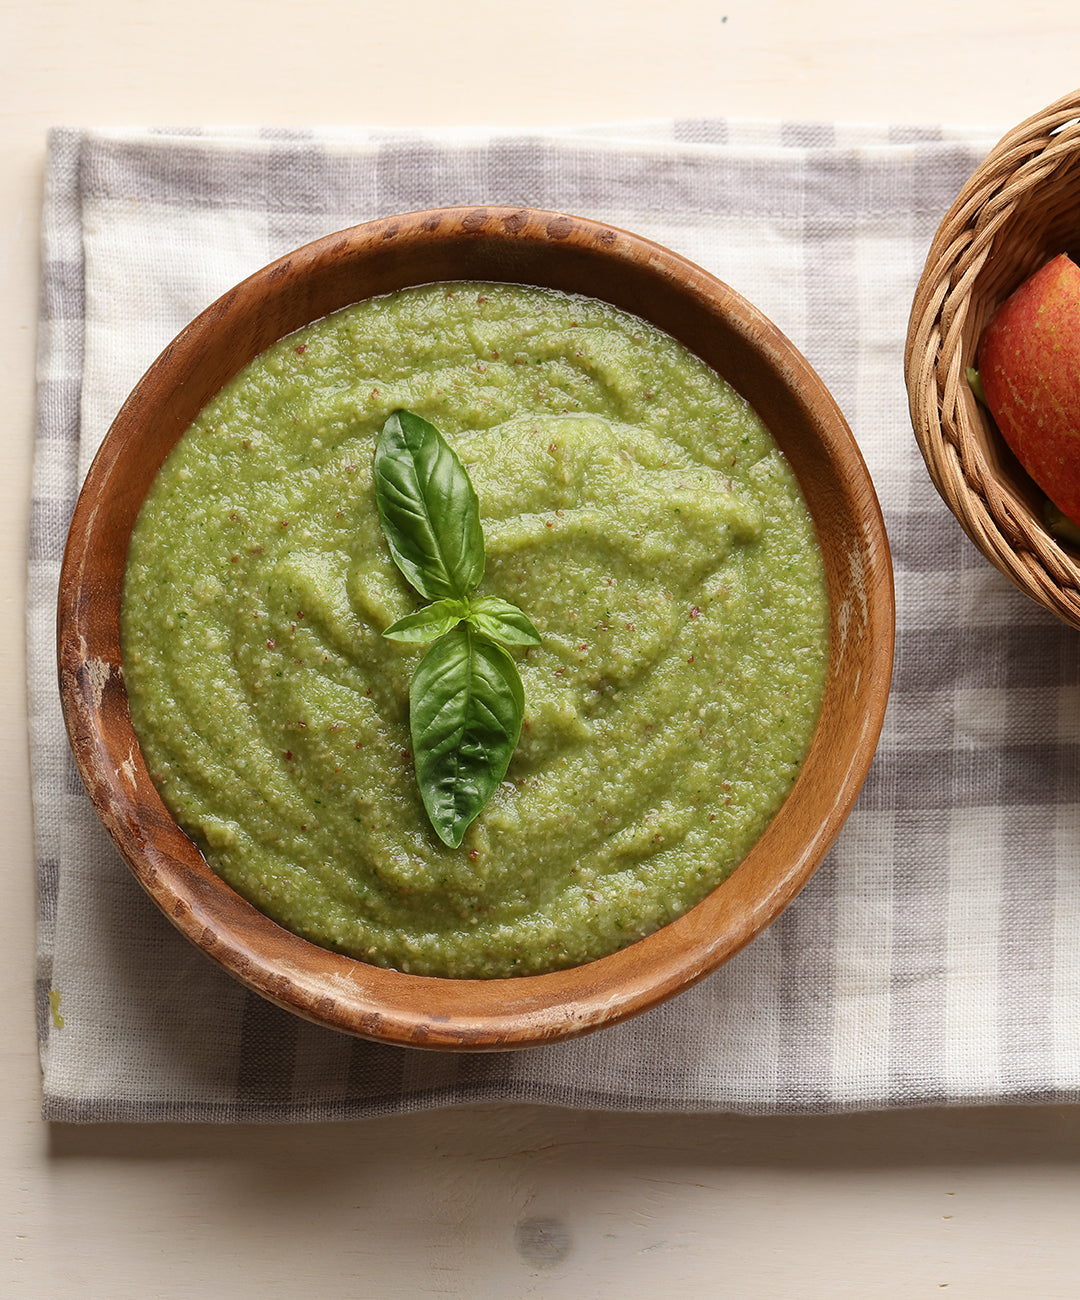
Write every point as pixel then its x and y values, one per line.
pixel 466 707
pixel 502 621
pixel 428 508
pixel 429 622
pixel 466 701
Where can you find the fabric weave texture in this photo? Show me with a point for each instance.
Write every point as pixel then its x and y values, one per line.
pixel 935 956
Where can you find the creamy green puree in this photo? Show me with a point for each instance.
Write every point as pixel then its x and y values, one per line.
pixel 633 506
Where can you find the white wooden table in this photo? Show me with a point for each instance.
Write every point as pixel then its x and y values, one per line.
pixel 497 1202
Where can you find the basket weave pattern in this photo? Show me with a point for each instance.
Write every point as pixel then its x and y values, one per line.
pixel 1020 208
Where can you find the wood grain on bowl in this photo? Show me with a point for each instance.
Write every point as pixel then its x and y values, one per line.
pixel 521 246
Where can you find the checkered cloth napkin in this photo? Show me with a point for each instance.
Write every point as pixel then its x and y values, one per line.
pixel 935 956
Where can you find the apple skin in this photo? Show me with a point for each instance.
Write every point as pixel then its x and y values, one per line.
pixel 1029 364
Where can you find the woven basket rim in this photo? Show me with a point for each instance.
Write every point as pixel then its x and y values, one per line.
pixel 950 427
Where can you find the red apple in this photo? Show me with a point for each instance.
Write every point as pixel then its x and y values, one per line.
pixel 1029 364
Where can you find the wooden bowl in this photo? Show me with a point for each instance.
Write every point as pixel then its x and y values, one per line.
pixel 541 248
pixel 1020 208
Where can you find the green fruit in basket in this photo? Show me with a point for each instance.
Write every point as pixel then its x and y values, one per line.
pixel 1029 365
pixel 1061 525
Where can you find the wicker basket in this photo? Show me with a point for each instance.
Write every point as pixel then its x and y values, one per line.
pixel 1020 208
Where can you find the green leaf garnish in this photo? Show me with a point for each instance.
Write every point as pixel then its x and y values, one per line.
pixel 426 624
pixel 502 621
pixel 466 701
pixel 429 512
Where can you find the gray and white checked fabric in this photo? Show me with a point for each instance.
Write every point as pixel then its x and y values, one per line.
pixel 935 956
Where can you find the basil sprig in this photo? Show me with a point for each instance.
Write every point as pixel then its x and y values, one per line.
pixel 466 701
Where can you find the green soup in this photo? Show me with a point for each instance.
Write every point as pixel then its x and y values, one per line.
pixel 633 506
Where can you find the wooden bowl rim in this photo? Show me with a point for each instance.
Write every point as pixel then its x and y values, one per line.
pixel 438 1013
